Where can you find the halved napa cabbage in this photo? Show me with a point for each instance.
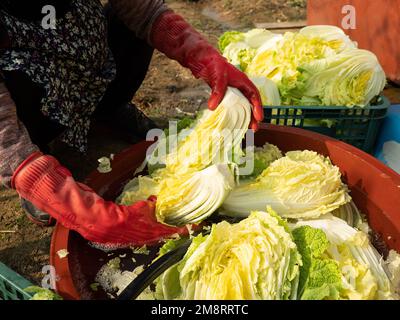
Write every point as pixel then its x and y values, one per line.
pixel 280 62
pixel 199 171
pixel 303 184
pixel 253 259
pixel 319 66
pixel 268 91
pixel 240 48
pixel 330 34
pixel 193 197
pixel 363 275
pixel 351 78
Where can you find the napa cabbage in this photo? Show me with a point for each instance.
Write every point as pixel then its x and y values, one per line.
pixel 351 78
pixel 331 34
pixel 268 91
pixel 319 66
pixel 253 259
pixel 241 48
pixel 303 184
pixel 200 170
pixel 363 274
pixel 262 157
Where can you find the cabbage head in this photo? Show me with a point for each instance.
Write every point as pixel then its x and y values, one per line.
pixel 362 271
pixel 253 259
pixel 303 184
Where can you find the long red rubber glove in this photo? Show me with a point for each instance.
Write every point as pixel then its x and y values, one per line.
pixel 174 37
pixel 51 188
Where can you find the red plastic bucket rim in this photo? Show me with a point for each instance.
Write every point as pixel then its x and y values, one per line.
pixel 65 285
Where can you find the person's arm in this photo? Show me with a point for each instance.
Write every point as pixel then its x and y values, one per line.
pixel 15 143
pixel 169 33
pixel 138 15
pixel 50 187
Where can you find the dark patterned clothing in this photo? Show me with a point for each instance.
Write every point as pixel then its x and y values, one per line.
pixel 72 63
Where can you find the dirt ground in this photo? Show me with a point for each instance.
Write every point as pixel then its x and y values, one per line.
pixel 169 91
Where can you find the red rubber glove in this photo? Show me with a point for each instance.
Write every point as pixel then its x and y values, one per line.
pixel 174 37
pixel 51 188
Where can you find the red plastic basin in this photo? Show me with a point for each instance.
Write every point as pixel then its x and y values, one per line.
pixel 375 189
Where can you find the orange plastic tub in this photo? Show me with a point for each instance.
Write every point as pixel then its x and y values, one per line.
pixel 375 189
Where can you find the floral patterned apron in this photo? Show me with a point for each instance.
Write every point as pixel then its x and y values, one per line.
pixel 73 63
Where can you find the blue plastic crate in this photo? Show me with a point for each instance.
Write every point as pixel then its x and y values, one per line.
pixel 359 127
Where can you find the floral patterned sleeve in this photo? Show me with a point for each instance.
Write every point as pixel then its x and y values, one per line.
pixel 139 15
pixel 15 143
